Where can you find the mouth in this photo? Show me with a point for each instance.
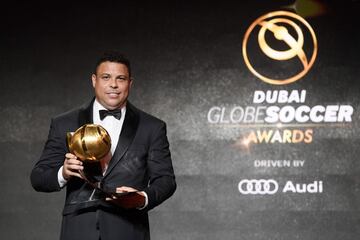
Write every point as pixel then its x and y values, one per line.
pixel 113 94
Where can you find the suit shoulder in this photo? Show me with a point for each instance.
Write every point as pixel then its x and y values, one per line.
pixel 74 113
pixel 148 118
pixel 67 116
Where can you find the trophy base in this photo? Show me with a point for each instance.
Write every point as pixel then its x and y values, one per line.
pixel 92 171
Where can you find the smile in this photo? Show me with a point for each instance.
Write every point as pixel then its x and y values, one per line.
pixel 113 94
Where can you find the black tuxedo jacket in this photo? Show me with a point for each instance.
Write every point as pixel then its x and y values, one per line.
pixel 141 160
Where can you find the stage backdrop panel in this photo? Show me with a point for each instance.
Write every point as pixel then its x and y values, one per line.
pixel 253 159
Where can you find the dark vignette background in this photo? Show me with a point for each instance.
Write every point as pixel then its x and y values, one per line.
pixel 186 57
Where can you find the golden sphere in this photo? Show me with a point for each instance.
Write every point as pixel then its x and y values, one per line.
pixel 90 142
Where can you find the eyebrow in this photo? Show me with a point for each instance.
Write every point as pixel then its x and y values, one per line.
pixel 108 74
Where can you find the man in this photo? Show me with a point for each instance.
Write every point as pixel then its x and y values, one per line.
pixel 139 163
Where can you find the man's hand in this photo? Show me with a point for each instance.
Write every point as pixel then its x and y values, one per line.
pixel 71 167
pixel 132 199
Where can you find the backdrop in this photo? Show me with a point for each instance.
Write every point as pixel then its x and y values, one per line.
pixel 253 160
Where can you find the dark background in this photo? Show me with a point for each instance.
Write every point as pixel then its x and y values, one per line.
pixel 186 57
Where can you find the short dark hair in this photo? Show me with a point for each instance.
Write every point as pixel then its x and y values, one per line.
pixel 113 56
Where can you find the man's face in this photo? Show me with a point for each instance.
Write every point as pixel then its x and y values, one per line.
pixel 112 84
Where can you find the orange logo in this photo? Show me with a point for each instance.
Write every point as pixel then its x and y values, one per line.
pixel 278 24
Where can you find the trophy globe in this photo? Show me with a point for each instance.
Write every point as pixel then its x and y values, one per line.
pixel 89 143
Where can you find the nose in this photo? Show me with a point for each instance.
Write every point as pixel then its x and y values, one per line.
pixel 113 83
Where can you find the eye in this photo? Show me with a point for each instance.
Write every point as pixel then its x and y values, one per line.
pixel 122 78
pixel 105 77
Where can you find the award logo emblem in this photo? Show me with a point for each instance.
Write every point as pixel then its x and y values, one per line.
pixel 286 27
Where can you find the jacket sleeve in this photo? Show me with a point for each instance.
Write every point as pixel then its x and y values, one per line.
pixel 44 174
pixel 161 174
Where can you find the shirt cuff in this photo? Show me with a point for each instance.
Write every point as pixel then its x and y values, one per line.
pixel 61 180
pixel 146 201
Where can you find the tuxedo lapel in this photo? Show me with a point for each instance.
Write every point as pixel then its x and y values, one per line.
pixel 86 113
pixel 127 135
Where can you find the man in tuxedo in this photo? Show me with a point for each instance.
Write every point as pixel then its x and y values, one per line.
pixel 138 166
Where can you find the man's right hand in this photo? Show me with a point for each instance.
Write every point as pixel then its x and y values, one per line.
pixel 71 167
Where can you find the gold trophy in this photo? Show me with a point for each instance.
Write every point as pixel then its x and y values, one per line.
pixel 90 143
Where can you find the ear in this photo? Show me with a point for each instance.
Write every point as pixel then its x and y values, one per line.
pixel 93 79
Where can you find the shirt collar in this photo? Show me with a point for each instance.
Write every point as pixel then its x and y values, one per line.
pixel 97 106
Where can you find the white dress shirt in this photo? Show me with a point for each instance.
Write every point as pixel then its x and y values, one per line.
pixel 113 126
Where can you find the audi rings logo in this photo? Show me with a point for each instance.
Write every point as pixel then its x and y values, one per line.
pixel 258 186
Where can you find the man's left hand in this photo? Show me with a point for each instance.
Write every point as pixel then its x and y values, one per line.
pixel 132 199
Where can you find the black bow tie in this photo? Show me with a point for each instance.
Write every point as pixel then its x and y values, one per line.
pixel 116 113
